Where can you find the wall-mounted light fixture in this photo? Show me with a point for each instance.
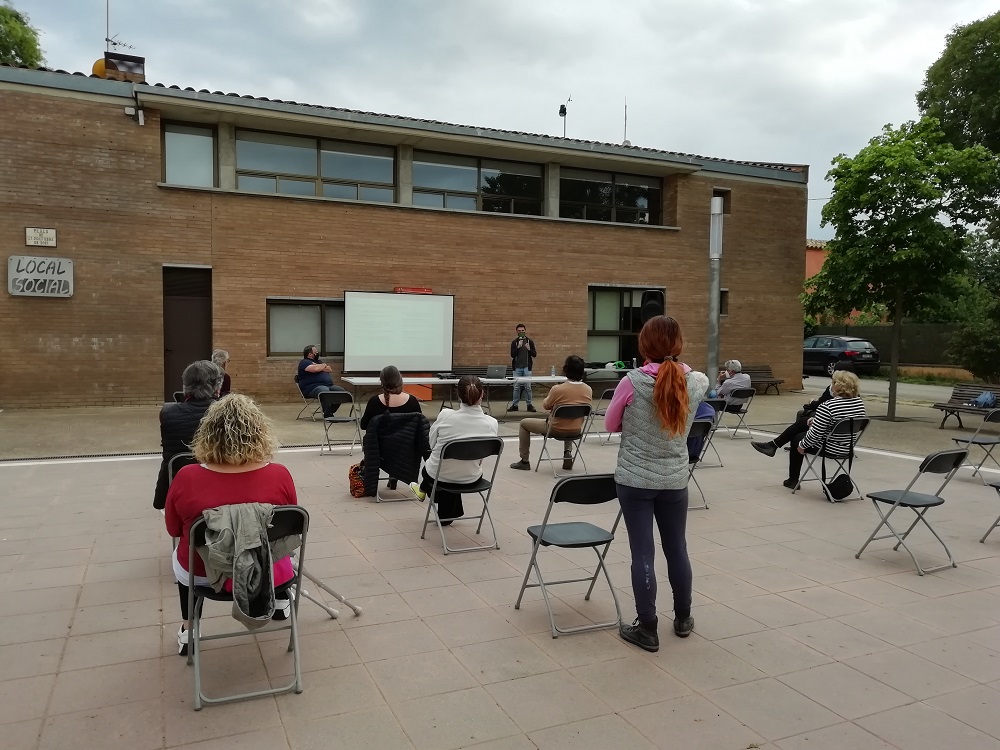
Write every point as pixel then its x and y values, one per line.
pixel 136 114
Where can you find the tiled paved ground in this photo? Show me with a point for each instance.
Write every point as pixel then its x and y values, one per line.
pixel 797 644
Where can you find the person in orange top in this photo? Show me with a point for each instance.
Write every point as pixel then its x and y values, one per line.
pixel 573 391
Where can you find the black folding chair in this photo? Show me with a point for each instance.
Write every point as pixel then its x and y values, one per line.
pixel 331 398
pixel 700 428
pixel 987 442
pixel 177 462
pixel 588 489
pixel 942 462
pixel 996 486
pixel 178 396
pixel 748 394
pixel 288 520
pixel 307 403
pixel 852 429
pixel 565 411
pixel 719 404
pixel 601 411
pixel 467 449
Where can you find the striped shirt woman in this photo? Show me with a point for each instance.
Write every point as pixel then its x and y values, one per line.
pixel 845 404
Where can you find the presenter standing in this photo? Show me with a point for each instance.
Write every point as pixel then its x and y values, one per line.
pixel 522 353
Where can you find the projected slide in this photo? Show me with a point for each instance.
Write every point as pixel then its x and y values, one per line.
pixel 414 332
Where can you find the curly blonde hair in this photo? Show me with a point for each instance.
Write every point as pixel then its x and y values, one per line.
pixel 234 431
pixel 847 383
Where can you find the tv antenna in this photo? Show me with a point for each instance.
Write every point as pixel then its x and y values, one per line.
pixel 625 141
pixel 562 114
pixel 111 42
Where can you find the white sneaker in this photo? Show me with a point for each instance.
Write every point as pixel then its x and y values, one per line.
pixel 282 608
pixel 417 491
pixel 182 641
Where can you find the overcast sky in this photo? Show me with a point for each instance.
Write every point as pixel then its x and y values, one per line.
pixel 794 81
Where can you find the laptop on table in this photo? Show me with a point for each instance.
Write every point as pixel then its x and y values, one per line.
pixel 496 371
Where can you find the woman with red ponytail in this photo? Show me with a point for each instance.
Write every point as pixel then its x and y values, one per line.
pixel 653 409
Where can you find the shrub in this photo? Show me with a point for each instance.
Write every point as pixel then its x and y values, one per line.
pixel 976 345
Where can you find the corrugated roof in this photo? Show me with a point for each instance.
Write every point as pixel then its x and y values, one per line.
pixel 476 130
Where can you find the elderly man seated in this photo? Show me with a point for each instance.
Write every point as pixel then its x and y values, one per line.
pixel 315 377
pixel 731 378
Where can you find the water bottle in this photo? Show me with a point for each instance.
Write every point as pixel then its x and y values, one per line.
pixel 553 371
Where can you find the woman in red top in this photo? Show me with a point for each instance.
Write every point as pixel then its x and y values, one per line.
pixel 233 446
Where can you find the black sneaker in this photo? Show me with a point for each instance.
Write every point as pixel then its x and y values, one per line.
pixel 790 483
pixel 521 465
pixel 531 408
pixel 642 635
pixel 512 408
pixel 683 628
pixel 567 464
pixel 768 448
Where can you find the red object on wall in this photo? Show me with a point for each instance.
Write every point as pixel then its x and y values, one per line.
pixel 413 290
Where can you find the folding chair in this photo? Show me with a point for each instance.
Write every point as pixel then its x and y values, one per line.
pixel 589 489
pixel 565 411
pixel 288 520
pixel 942 462
pixel 176 463
pixel 996 486
pixel 719 404
pixel 700 428
pixel 331 398
pixel 852 428
pixel 178 396
pixel 987 442
pixel 467 449
pixel 748 394
pixel 306 402
pixel 600 411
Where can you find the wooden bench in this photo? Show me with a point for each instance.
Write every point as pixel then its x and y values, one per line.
pixel 962 394
pixel 761 375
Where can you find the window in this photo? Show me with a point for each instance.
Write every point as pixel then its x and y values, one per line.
pixel 727 199
pixel 293 165
pixel 470 184
pixel 603 196
pixel 723 302
pixel 188 155
pixel 614 321
pixel 291 325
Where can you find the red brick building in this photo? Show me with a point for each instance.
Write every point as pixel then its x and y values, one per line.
pixel 195 219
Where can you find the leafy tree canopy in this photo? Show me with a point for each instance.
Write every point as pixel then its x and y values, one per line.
pixel 18 39
pixel 962 88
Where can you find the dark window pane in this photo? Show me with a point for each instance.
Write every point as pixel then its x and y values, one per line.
pixel 462 202
pixel 364 163
pixel 571 212
pixel 445 172
pixel 598 213
pixel 580 186
pixel 434 200
pixel 256 184
pixel 281 154
pixel 631 197
pixel 349 192
pixel 627 216
pixel 509 178
pixel 377 195
pixel 296 187
pixel 497 205
pixel 528 208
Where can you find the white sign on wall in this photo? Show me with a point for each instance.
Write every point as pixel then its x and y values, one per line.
pixel 30 276
pixel 38 237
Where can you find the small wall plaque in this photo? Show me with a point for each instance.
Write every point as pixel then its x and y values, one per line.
pixel 39 237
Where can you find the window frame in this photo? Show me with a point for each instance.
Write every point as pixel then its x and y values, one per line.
pixel 163 149
pixel 320 304
pixel 656 213
pixel 623 335
pixel 479 195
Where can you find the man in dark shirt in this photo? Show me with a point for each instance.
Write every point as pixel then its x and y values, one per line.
pixel 522 353
pixel 314 377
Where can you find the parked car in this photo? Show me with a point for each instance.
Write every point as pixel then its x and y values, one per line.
pixel 822 353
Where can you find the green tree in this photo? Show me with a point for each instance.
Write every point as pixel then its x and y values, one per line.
pixel 962 88
pixel 18 39
pixel 901 209
pixel 976 345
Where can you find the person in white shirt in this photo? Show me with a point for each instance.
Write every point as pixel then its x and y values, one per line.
pixel 468 421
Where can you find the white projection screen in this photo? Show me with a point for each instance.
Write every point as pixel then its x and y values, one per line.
pixel 414 332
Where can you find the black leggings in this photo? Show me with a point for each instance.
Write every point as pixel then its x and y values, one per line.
pixel 798 426
pixel 183 591
pixel 449 503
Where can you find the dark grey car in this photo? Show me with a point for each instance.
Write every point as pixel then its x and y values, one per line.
pixel 822 353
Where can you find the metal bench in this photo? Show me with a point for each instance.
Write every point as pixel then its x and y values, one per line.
pixel 962 394
pixel 762 376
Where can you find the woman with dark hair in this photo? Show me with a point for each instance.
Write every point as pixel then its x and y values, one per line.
pixel 467 421
pixel 653 408
pixel 392 399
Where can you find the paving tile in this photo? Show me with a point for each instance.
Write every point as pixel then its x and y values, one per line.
pixel 773 652
pixel 137 726
pixel 392 639
pixel 581 649
pixel 772 709
pixel 443 600
pixel 40 600
pixel 701 724
pixel 123 570
pixel 773 610
pixel 378 609
pixel 837 737
pixel 106 686
pixel 835 639
pixel 53 559
pixel 628 683
pixel 118 616
pixel 407 677
pixel 25 698
pixel 483 569
pixel 44 579
pixel 423 577
pixel 327 692
pixel 508 659
pixel 112 592
pixel 96 650
pixel 546 700
pixel 920 726
pixel 30 659
pixel 452 720
pixel 262 739
pixel 774 579
pixel 827 601
pixel 879 592
pixel 845 691
pixel 318 651
pixel 600 732
pixel 374 728
pixel 890 626
pixel 22 735
pixel 909 673
pixel 471 626
pixel 722 587
pixel 39 626
pixel 961 655
pixel 975 706
pixel 702 665
pixel 185 726
pixel 715 621
pixel 411 557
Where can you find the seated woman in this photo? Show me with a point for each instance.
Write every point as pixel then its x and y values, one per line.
pixel 201 382
pixel 233 445
pixel 845 404
pixel 468 421
pixel 391 400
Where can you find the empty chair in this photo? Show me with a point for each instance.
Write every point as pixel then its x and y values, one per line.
pixel 590 489
pixel 287 521
pixel 600 411
pixel 996 486
pixel 942 462
pixel 700 428
pixel 466 449
pixel 843 462
pixel 987 442
pixel 740 412
pixel 332 399
pixel 565 412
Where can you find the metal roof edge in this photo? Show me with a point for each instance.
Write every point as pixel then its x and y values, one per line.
pixel 61 79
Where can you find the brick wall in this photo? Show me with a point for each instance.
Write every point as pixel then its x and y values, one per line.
pixel 85 169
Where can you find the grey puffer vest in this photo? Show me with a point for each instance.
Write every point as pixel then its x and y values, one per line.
pixel 649 458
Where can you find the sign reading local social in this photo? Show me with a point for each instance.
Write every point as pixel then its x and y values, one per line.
pixel 39 237
pixel 31 276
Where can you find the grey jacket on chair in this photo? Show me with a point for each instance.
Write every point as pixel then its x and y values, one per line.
pixel 236 547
